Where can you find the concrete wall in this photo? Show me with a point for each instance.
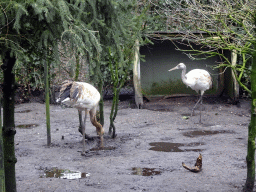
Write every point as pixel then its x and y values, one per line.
pixel 162 56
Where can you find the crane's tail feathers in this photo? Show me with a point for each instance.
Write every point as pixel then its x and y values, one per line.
pixel 75 92
pixel 66 93
pixel 65 90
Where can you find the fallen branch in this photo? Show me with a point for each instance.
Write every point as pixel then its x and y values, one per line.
pixel 198 165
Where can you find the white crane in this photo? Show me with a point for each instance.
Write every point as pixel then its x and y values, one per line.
pixel 196 79
pixel 84 97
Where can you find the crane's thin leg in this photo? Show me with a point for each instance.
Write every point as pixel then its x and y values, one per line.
pixel 80 125
pixel 201 104
pixel 202 92
pixel 80 120
pixel 196 105
pixel 83 131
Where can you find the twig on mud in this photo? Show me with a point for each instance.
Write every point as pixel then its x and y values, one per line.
pixel 198 165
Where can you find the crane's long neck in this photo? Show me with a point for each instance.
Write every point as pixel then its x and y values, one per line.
pixel 183 75
pixel 99 128
pixel 94 121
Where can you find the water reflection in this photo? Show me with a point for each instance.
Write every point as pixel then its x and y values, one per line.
pixel 64 174
pixel 146 171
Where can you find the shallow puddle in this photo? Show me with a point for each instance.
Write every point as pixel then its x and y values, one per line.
pixel 146 171
pixel 26 126
pixel 205 133
pixel 63 174
pixel 174 147
pixel 23 111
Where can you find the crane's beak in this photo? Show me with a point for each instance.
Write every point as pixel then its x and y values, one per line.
pixel 174 68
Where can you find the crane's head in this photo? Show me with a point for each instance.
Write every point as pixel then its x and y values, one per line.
pixel 179 66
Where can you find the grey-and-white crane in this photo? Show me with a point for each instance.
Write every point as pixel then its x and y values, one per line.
pixel 196 79
pixel 84 97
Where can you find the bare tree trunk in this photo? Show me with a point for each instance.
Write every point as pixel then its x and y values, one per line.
pixel 136 77
pixel 250 159
pixel 8 122
pixel 236 85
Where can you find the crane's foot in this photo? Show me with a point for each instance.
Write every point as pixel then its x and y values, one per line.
pixel 83 153
pixel 200 119
pixel 86 136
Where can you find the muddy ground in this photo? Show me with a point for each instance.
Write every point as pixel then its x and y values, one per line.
pixel 146 155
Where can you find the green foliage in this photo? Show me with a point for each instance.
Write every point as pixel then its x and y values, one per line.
pixel 119 74
pixel 35 25
pixel 29 73
pixel 244 68
pixel 119 24
pixel 151 13
pixel 31 26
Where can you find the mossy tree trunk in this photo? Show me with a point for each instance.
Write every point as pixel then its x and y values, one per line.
pixel 250 159
pixel 8 122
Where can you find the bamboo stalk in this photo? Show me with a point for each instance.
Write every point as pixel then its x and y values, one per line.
pixel 47 103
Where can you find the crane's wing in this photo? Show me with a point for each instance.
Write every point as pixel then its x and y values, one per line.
pixel 84 95
pixel 199 79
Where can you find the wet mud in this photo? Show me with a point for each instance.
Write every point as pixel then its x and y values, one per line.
pixel 146 155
